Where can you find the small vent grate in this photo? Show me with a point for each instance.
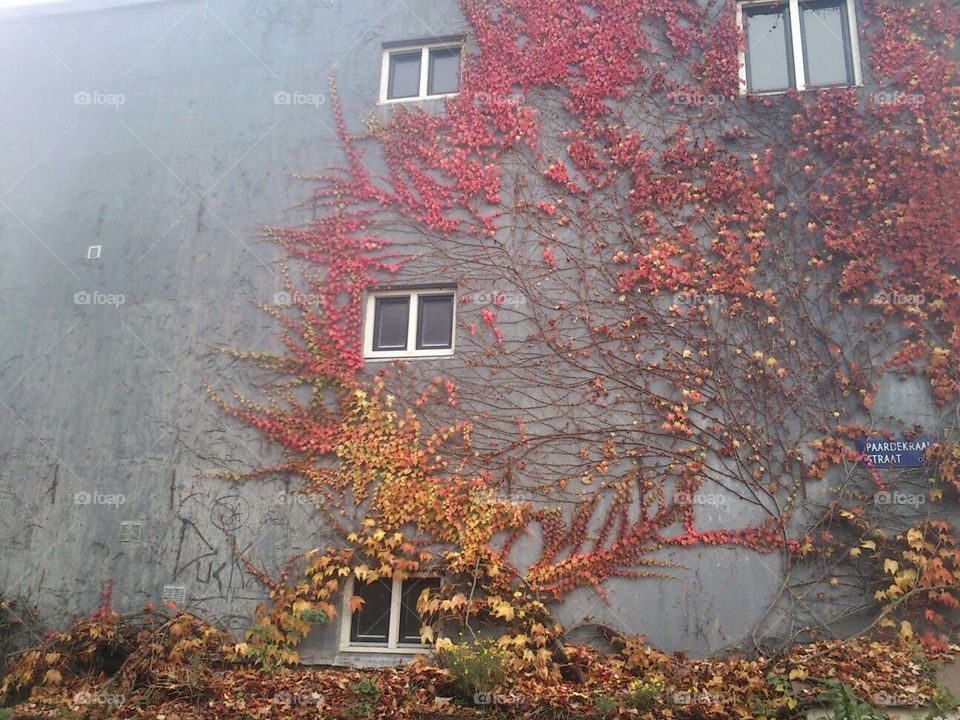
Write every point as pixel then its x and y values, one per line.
pixel 174 593
pixel 130 531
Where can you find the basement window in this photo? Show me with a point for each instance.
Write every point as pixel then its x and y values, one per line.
pixel 798 44
pixel 419 72
pixel 388 619
pixel 409 323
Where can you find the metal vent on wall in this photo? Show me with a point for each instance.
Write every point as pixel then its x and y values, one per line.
pixel 130 531
pixel 174 593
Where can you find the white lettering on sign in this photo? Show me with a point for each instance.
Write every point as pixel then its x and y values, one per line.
pixel 895 446
pixel 885 459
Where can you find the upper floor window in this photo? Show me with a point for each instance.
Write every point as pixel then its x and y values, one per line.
pixel 409 323
pixel 415 72
pixel 798 44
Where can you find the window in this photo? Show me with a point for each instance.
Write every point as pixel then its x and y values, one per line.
pixel 409 323
pixel 391 321
pixel 798 44
pixel 371 624
pixel 420 71
pixel 388 618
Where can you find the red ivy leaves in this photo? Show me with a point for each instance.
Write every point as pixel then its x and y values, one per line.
pixel 883 200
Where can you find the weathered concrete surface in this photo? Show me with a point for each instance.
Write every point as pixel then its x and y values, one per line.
pixel 151 129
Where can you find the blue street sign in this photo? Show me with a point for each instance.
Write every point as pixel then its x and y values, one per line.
pixel 898 453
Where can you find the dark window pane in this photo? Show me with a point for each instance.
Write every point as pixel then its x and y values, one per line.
pixel 444 71
pixel 769 53
pixel 371 624
pixel 390 321
pixel 435 322
pixel 826 45
pixel 404 78
pixel 409 620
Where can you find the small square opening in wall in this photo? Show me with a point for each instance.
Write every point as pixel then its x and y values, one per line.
pixel 130 531
pixel 176 594
pixel 93 252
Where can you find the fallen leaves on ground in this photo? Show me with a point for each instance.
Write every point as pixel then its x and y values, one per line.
pixel 637 682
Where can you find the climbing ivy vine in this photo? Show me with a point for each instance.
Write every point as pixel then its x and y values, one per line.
pixel 667 291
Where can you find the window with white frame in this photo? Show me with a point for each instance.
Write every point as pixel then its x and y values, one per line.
pixel 798 44
pixel 409 323
pixel 387 617
pixel 417 72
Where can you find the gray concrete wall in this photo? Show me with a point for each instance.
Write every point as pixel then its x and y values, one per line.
pixel 151 130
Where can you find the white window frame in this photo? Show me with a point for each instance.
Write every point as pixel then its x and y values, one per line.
pixel 393 632
pixel 425 49
pixel 412 321
pixel 796 41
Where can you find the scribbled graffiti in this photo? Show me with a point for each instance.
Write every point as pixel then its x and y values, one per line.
pixel 230 512
pixel 207 558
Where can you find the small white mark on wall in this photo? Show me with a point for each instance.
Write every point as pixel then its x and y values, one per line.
pixel 130 531
pixel 174 593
